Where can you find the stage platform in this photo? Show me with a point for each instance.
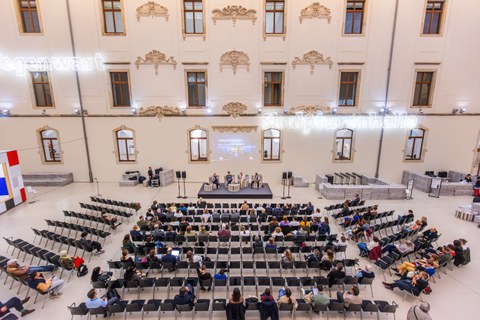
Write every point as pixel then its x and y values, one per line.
pixel 245 193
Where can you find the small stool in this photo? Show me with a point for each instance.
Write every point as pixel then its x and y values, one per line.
pixel 208 187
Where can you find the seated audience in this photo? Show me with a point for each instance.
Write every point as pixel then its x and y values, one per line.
pixel 285 297
pixel 17 304
pixel 419 312
pixel 415 285
pixel 203 275
pixel 364 273
pixel 351 296
pixel 193 258
pixel 235 308
pixel 52 285
pixel 288 256
pixel 185 296
pixel 271 243
pixel 267 306
pixel 365 248
pixel 15 269
pixel 135 232
pixel 128 244
pixel 220 275
pixel 400 249
pixel 99 275
pixel 315 297
pixel 94 301
pixel 126 258
pixel 335 274
pixel 90 244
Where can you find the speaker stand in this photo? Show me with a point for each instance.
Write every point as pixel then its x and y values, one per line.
pixel 179 196
pixel 184 190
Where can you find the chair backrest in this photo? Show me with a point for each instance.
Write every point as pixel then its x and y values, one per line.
pixel 183 307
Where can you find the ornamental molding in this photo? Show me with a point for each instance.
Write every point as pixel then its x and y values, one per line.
pixel 234 58
pixel 308 109
pixel 315 10
pixel 160 111
pixel 234 129
pixel 152 9
pixel 155 58
pixel 312 58
pixel 234 109
pixel 234 13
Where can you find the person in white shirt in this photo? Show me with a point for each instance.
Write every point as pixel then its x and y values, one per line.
pixel 244 232
pixel 294 223
pixel 193 258
pixel 317 214
pixel 206 216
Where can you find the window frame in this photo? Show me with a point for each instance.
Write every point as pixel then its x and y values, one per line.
pixel 111 84
pixel 352 149
pixel 264 30
pixel 431 90
pixel 423 148
pixel 117 145
pixel 189 144
pixel 282 98
pixel 440 23
pixel 33 92
pixel 20 22
pixel 280 147
pixel 357 88
pixel 104 21
pixel 187 92
pixel 364 19
pixel 184 21
pixel 41 152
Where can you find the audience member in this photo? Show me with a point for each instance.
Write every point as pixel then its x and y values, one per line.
pixel 128 244
pixel 204 276
pixel 15 269
pixel 415 285
pixel 52 285
pixel 267 307
pixel 17 304
pixel 235 308
pixel 193 258
pixel 335 274
pixel 90 244
pixel 419 312
pixel 221 275
pixel 315 297
pixel 285 297
pixel 351 296
pixel 94 301
pixel 185 296
pixel 364 273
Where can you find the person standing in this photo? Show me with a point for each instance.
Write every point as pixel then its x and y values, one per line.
pixel 419 312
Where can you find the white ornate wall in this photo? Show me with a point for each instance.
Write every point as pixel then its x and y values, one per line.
pixel 453 55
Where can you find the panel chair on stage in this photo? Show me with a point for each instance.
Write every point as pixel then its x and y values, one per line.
pixel 243 181
pixel 210 181
pixel 257 182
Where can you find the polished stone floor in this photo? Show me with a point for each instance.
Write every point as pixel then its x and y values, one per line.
pixel 454 296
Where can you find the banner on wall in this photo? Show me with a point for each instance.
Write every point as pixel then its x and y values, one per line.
pixel 12 191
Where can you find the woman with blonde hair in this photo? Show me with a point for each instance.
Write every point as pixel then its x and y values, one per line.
pixel 288 256
pixel 277 233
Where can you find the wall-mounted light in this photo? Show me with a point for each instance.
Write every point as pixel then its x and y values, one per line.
pixel 455 110
pixel 209 111
pixel 259 110
pixel 462 110
pixel 334 111
pixel 44 112
pixel 76 111
pixel 5 112
pixel 133 110
pixel 420 111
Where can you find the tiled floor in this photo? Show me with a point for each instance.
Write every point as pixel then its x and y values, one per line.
pixel 454 296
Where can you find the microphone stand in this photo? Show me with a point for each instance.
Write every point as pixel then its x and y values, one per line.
pixel 283 183
pixel 179 196
pixel 184 190
pixel 98 188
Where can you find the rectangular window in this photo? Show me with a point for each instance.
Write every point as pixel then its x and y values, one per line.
pixel 274 17
pixel 348 89
pixel 273 91
pixel 423 89
pixel 197 89
pixel 193 16
pixel 120 88
pixel 354 17
pixel 433 17
pixel 112 16
pixel 42 89
pixel 29 16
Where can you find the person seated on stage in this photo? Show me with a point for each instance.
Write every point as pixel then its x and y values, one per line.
pixel 228 179
pixel 242 178
pixel 215 180
pixel 255 181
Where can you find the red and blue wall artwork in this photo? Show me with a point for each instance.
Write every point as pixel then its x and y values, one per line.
pixel 12 191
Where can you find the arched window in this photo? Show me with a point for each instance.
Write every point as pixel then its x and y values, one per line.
pixel 125 145
pixel 415 145
pixel 271 144
pixel 198 145
pixel 343 144
pixel 50 145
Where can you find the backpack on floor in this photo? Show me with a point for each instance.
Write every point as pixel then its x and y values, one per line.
pixel 82 270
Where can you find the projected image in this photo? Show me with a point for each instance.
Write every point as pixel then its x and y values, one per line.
pixel 234 147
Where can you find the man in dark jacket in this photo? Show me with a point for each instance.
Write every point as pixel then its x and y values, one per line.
pixel 170 258
pixel 335 274
pixel 267 306
pixel 185 296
